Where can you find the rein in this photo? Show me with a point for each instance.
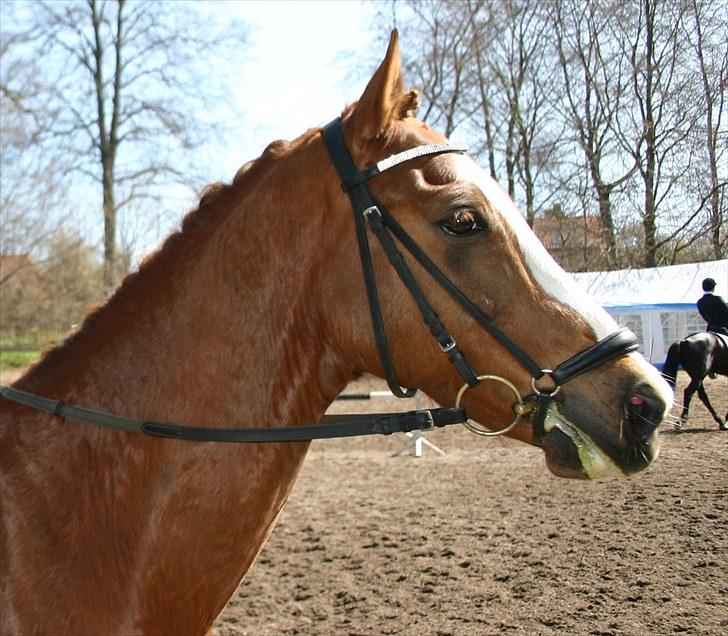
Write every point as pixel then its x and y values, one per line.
pixel 369 213
pixel 339 426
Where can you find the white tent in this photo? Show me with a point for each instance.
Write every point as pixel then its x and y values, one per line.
pixel 658 304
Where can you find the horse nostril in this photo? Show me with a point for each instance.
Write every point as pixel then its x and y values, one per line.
pixel 644 413
pixel 636 400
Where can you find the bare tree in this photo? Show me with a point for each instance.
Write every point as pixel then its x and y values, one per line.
pixel 530 84
pixel 594 94
pixel 481 68
pixel 658 131
pixel 127 79
pixel 514 58
pixel 707 33
pixel 441 66
pixel 627 97
pixel 482 28
pixel 30 190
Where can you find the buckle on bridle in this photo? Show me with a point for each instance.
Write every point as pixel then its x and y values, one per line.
pixel 370 211
pixel 449 345
pixel 430 426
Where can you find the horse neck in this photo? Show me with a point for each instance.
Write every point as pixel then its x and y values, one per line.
pixel 221 327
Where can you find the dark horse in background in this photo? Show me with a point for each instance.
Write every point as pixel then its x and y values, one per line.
pixel 699 354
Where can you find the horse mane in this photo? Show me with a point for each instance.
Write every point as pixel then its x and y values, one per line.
pixel 215 200
pixel 214 196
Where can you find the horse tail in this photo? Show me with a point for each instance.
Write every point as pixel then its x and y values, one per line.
pixel 672 362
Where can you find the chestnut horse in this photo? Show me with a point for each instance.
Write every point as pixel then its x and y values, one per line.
pixel 256 312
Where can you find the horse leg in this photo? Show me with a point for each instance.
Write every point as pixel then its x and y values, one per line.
pixel 687 396
pixel 703 395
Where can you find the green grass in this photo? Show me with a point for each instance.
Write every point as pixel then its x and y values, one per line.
pixel 17 359
pixel 31 341
pixel 19 350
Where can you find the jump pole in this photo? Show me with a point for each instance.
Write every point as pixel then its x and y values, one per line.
pixel 417 438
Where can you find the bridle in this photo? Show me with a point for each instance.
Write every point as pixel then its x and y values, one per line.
pixel 369 213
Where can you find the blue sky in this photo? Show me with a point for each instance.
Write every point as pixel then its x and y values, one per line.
pixel 302 68
pixel 304 61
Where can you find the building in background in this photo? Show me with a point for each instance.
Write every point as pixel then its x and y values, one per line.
pixel 574 242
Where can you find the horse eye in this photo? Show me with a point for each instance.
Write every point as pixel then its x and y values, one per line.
pixel 462 223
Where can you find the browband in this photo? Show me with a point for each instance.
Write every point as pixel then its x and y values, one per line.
pixel 427 150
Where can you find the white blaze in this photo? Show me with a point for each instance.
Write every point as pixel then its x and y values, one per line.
pixel 553 280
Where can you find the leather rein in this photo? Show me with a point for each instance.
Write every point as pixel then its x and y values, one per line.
pixel 369 213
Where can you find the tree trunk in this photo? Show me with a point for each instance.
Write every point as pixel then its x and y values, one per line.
pixel 528 186
pixel 511 156
pixel 108 138
pixel 109 208
pixel 711 131
pixel 603 191
pixel 648 219
pixel 484 99
pixel 607 222
pixel 714 196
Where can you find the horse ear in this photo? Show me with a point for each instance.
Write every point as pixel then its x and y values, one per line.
pixel 384 99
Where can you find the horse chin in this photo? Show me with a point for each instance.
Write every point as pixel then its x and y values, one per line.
pixel 570 452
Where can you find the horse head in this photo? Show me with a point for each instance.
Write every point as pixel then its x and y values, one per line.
pixel 602 422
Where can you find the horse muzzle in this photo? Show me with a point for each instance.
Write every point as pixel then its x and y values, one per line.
pixel 579 443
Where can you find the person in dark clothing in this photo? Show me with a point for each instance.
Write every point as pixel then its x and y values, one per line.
pixel 713 309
